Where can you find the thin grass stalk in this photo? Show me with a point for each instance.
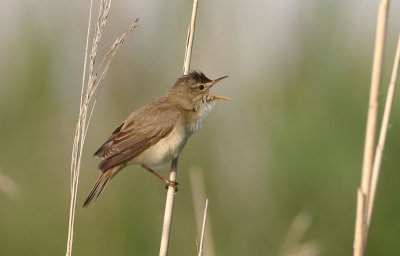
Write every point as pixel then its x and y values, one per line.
pixel 87 92
pixel 107 60
pixel 361 232
pixel 358 233
pixel 199 195
pixel 374 96
pixel 74 181
pixel 169 203
pixel 203 229
pixel 189 39
pixel 383 133
pixel 169 206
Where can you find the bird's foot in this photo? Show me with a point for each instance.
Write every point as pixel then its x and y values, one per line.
pixel 173 184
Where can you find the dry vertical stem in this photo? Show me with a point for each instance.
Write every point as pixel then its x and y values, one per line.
pixel 87 92
pixel 199 196
pixel 383 132
pixel 361 232
pixel 169 203
pixel 374 96
pixel 358 233
pixel 189 40
pixel 74 159
pixel 203 229
pixel 169 206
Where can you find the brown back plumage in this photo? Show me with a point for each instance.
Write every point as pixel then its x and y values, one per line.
pixel 139 131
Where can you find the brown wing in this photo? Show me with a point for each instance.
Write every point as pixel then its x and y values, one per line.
pixel 140 131
pixel 100 151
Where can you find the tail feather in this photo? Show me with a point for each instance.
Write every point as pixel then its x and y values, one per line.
pixel 99 185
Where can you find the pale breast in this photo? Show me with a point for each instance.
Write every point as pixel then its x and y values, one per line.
pixel 163 151
pixel 201 114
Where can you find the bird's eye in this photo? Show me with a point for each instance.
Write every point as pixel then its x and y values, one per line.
pixel 201 87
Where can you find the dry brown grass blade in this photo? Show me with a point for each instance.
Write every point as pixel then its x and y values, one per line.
pixel 87 92
pixel 203 229
pixel 383 132
pixel 189 39
pixel 361 229
pixel 199 196
pixel 169 206
pixel 107 61
pixel 169 203
pixel 75 149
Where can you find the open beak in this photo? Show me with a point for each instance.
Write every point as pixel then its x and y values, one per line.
pixel 216 96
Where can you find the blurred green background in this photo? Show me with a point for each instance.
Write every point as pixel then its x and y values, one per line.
pixel 289 144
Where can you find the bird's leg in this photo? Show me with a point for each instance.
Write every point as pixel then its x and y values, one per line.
pixel 169 183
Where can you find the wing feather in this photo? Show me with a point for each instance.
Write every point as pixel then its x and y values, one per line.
pixel 140 131
pixel 99 152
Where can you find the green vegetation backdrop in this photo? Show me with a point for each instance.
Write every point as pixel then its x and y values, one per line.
pixel 290 142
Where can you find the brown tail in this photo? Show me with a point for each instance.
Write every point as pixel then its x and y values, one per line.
pixel 99 185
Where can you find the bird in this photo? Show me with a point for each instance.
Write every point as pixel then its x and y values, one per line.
pixel 154 134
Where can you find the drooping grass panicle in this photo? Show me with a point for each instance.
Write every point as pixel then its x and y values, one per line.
pixel 90 84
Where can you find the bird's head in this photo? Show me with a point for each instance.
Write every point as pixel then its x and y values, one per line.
pixel 194 89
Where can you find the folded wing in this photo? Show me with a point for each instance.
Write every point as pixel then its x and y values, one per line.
pixel 141 130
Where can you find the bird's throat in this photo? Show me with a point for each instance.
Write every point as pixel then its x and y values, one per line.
pixel 197 117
